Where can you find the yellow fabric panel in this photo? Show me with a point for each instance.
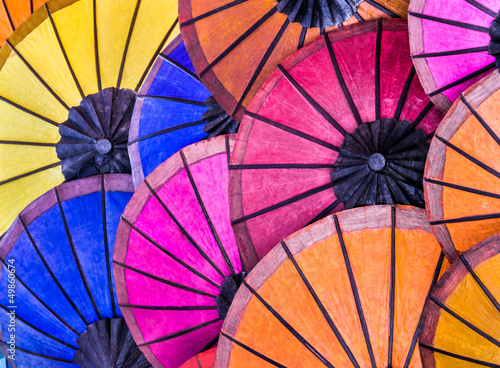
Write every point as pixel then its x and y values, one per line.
pixel 444 361
pixel 41 50
pixel 76 30
pixel 16 195
pixel 489 275
pixel 18 160
pixel 152 24
pixel 112 31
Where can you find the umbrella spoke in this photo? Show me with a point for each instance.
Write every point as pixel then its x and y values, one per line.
pixel 452 52
pixel 450 22
pixel 212 12
pixel 404 94
pixel 482 8
pixel 462 188
pixel 481 120
pixel 458 356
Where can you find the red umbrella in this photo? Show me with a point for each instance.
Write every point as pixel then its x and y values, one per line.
pixel 330 108
pixel 205 359
pixel 176 261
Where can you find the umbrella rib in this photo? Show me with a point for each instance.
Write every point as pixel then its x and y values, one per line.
pixel 457 356
pixel 450 53
pixel 8 15
pixel 450 22
pixel 466 219
pixel 61 360
pixel 358 17
pixel 292 131
pixel 419 325
pixel 42 258
pixel 378 52
pixel 325 211
pixel 183 231
pixel 176 259
pixel 54 28
pixel 32 113
pixel 481 120
pixel 106 245
pixel 280 166
pixel 31 6
pixel 37 76
pixel 311 101
pixel 462 188
pixel 179 66
pixel 212 12
pixel 164 281
pixel 20 319
pixel 469 157
pixel 283 203
pixel 302 38
pixel 261 65
pixel 404 94
pixel 37 144
pixel 355 292
pixel 127 43
pixel 179 333
pixel 480 283
pixel 382 9
pixel 198 362
pixel 341 80
pixel 96 46
pixel 157 52
pixel 240 39
pixel 392 292
pixel 228 150
pixel 320 305
pixel 36 171
pixel 252 351
pixel 175 308
pixel 464 321
pixel 205 213
pixel 422 113
pixel 481 7
pixel 165 131
pixel 173 99
pixel 75 255
pixel 290 329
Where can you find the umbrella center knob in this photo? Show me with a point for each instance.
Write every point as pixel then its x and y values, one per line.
pixel 376 162
pixel 103 146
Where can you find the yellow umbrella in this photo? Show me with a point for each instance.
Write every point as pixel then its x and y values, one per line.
pixel 79 64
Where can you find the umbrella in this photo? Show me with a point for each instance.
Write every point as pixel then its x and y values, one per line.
pixel 462 172
pixel 68 79
pixel 236 45
pixel 173 110
pixel 460 321
pixel 449 45
pixel 347 291
pixel 332 128
pixel 205 359
pixel 57 278
pixel 13 13
pixel 176 261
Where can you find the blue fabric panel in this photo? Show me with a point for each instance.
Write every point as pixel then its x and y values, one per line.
pixel 180 55
pixel 25 360
pixel 115 205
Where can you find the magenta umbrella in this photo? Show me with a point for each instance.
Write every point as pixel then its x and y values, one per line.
pixel 176 261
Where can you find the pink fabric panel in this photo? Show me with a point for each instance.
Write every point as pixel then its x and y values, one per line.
pixel 461 11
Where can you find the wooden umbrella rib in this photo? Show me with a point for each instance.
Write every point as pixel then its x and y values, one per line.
pixel 481 120
pixel 174 99
pixel 172 256
pixel 30 112
pixel 450 22
pixel 378 52
pixel 325 212
pixel 183 231
pixel 462 188
pixel 179 66
pixel 463 79
pixel 302 38
pixel 451 53
pixel 354 289
pixel 382 9
pixel 481 7
pixel 392 291
pixel 358 17
pixel 458 356
pixel 404 94
pixel 9 16
pixel 422 114
pixel 31 6
pixel 36 144
pixel 261 65
pixel 228 149
pixel 340 78
pixel 240 39
pixel 166 131
pixel 290 329
pixel 466 219
pixel 106 246
pixel 311 101
pixel 61 360
pixel 36 171
pixel 172 308
pixel 280 166
pixel 127 43
pixel 212 12
pixel 252 351
pixel 320 305
pixel 96 46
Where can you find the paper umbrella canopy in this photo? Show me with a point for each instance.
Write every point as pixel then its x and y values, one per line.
pixel 236 45
pixel 332 128
pixel 57 259
pixel 13 13
pixel 450 44
pixel 68 80
pixel 205 359
pixel 461 319
pixel 347 291
pixel 176 261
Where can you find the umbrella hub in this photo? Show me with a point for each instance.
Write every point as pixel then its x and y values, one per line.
pixel 95 136
pixel 318 13
pixel 108 343
pixel 228 290
pixel 381 162
pixel 217 120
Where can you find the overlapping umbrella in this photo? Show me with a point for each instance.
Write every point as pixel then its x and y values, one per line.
pixel 176 261
pixel 332 128
pixel 347 291
pixel 13 13
pixel 205 359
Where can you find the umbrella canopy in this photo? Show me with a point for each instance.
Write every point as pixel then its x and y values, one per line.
pixel 205 359
pixel 332 128
pixel 461 319
pixel 68 80
pixel 236 45
pixel 13 13
pixel 347 291
pixel 176 261
pixel 173 110
pixel 449 45
pixel 462 173
pixel 57 260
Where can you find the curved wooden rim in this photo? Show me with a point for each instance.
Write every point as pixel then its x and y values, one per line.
pixel 436 158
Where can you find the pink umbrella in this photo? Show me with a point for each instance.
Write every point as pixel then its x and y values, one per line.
pixel 176 261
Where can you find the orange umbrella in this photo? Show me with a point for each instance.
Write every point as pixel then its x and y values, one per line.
pixel 205 359
pixel 462 174
pixel 347 291
pixel 460 322
pixel 13 13
pixel 236 45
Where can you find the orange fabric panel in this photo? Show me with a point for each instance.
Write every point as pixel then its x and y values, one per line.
pixel 464 234
pixel 367 11
pixel 19 10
